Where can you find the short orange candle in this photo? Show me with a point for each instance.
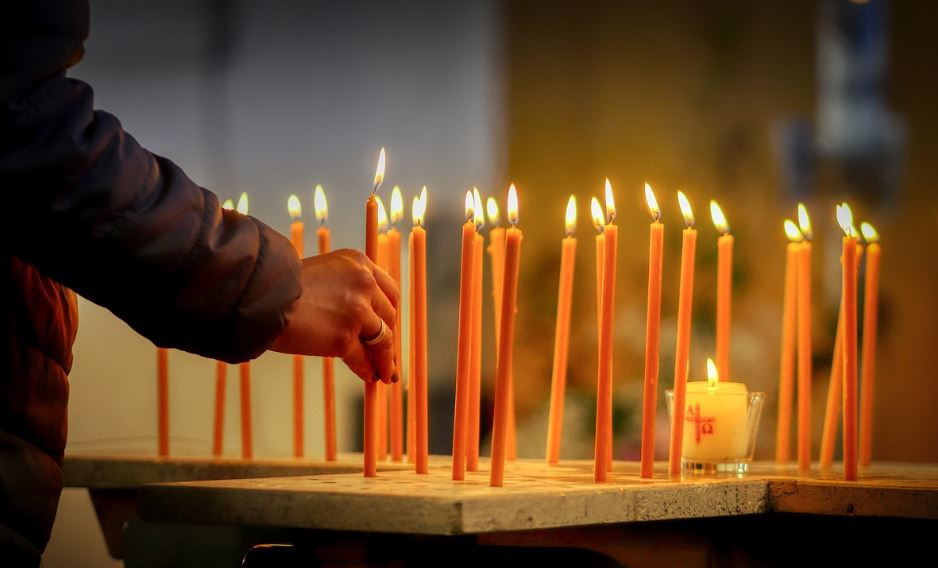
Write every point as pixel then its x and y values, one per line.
pixel 464 343
pixel 652 335
pixel 804 341
pixel 221 378
pixel 382 388
pixel 603 442
pixel 786 373
pixel 868 367
pixel 244 372
pixel 396 426
pixel 370 429
pixel 513 238
pixel 558 383
pixel 849 299
pixel 419 327
pixel 724 289
pixel 475 363
pixel 162 401
pixel 682 350
pixel 296 237
pixel 324 236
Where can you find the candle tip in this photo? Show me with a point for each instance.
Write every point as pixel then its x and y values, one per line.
pixel 397 205
pixel 792 231
pixel 686 211
pixel 320 206
pixel 719 219
pixel 470 205
pixel 294 207
pixel 570 218
pixel 845 219
pixel 869 233
pixel 596 211
pixel 804 222
pixel 512 205
pixel 610 203
pixel 228 205
pixel 652 203
pixel 713 374
pixel 419 207
pixel 478 210
pixel 379 171
pixel 243 203
pixel 491 208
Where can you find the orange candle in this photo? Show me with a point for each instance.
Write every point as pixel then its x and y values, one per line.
pixel 464 342
pixel 603 442
pixel 419 326
pixel 382 388
pixel 786 374
pixel 244 371
pixel 506 340
pixel 218 432
pixel 475 364
pixel 558 383
pixel 328 378
pixel 296 237
pixel 849 299
pixel 804 342
pixel 411 359
pixel 162 401
pixel 868 368
pixel 396 428
pixel 682 350
pixel 599 220
pixel 496 250
pixel 724 289
pixel 652 335
pixel 370 429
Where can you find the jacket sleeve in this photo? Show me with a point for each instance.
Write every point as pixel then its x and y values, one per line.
pixel 125 228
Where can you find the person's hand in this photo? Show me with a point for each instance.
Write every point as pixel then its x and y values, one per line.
pixel 346 301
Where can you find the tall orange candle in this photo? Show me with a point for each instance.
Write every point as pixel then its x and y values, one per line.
pixel 419 326
pixel 412 357
pixel 221 378
pixel 652 335
pixel 396 427
pixel 382 388
pixel 558 382
pixel 724 289
pixel 296 237
pixel 464 343
pixel 506 340
pixel 475 363
pixel 682 350
pixel 868 367
pixel 370 429
pixel 786 373
pixel 804 341
pixel 849 299
pixel 603 442
pixel 162 401
pixel 324 237
pixel 244 372
pixel 599 221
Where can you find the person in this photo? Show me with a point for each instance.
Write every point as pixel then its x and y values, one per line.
pixel 88 209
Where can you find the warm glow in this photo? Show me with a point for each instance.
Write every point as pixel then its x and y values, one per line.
pixel 512 205
pixel 869 233
pixel 243 203
pixel 686 210
pixel 379 171
pixel 293 206
pixel 320 205
pixel 596 211
pixel 478 213
pixel 719 219
pixel 610 203
pixel 713 375
pixel 228 205
pixel 382 214
pixel 845 220
pixel 792 231
pixel 419 208
pixel 397 205
pixel 491 207
pixel 804 222
pixel 570 221
pixel 652 203
pixel 470 206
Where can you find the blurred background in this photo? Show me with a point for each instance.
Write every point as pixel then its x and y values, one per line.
pixel 756 104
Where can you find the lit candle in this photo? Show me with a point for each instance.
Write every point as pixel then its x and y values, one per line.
pixel 868 368
pixel 599 221
pixel 603 442
pixel 244 371
pixel 724 288
pixel 394 268
pixel 849 299
pixel 682 350
pixel 162 401
pixel 221 377
pixel 370 429
pixel 418 324
pixel 804 341
pixel 464 342
pixel 475 363
pixel 715 412
pixel 652 335
pixel 328 379
pixel 558 384
pixel 296 237
pixel 786 373
pixel 411 357
pixel 382 388
pixel 506 340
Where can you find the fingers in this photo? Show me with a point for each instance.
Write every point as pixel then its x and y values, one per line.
pixel 383 308
pixel 387 285
pixel 359 361
pixel 379 344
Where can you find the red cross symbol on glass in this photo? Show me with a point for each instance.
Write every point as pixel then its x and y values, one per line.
pixel 701 425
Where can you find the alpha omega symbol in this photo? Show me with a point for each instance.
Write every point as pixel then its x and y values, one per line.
pixel 702 425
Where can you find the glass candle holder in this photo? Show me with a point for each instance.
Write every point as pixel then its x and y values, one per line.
pixel 720 427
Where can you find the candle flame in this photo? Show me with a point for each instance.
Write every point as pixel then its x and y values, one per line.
pixel 610 203
pixel 470 206
pixel 596 210
pixel 320 204
pixel 686 210
pixel 294 207
pixel 491 207
pixel 845 219
pixel 719 219
pixel 652 203
pixel 228 205
pixel 570 220
pixel 243 203
pixel 512 205
pixel 379 171
pixel 478 211
pixel 792 231
pixel 713 374
pixel 382 214
pixel 419 208
pixel 869 233
pixel 397 205
pixel 804 222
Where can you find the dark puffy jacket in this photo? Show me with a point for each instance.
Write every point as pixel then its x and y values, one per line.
pixel 85 206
